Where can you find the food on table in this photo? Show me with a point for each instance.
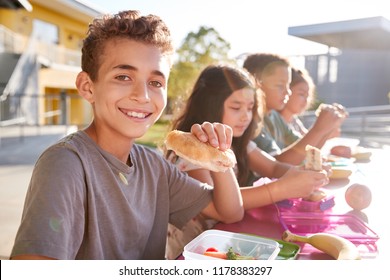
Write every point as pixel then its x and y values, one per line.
pixel 358 196
pixel 340 173
pixel 335 246
pixel 341 151
pixel 187 146
pixel 361 153
pixel 229 255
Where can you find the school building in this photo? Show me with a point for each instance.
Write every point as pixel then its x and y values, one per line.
pixel 356 70
pixel 40 43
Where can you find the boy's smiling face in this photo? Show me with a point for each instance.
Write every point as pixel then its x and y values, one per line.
pixel 130 91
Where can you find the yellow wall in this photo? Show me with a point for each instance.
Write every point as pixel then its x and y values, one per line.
pixel 16 20
pixel 57 78
pixel 71 31
pixel 79 111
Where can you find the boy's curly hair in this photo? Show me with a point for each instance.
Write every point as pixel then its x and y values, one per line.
pixel 126 24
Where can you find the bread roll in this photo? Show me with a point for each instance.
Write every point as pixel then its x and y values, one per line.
pixel 188 147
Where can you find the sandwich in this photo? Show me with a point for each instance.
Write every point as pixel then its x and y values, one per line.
pixel 339 109
pixel 313 161
pixel 189 147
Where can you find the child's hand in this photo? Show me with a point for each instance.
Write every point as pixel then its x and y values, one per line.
pixel 327 168
pixel 330 118
pixel 216 134
pixel 301 183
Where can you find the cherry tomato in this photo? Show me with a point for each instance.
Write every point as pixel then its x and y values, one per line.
pixel 211 249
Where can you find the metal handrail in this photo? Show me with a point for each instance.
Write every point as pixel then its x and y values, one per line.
pixel 371 124
pixel 21 122
pixel 11 41
pixel 52 53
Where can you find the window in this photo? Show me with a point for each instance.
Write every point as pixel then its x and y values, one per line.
pixel 45 31
pixel 322 68
pixel 333 67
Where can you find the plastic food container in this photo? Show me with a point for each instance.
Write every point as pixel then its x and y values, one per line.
pixel 347 226
pixel 245 245
pixel 288 250
pixel 301 205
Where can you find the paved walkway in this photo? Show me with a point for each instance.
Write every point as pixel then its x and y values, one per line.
pixel 17 158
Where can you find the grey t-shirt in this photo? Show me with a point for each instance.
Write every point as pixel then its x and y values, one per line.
pixel 83 203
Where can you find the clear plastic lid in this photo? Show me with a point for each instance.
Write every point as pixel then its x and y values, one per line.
pixel 243 244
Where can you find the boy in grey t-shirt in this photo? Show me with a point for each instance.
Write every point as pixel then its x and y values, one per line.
pixel 97 195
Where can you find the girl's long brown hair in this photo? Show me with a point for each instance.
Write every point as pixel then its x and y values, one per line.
pixel 206 102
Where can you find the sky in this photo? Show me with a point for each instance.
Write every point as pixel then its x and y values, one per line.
pixel 251 25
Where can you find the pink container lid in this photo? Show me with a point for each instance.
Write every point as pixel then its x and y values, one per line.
pixel 347 226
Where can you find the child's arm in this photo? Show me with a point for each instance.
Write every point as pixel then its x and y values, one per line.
pixel 296 183
pixel 327 121
pixel 266 165
pixel 227 205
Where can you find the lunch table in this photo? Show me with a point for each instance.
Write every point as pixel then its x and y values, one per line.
pixel 374 172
